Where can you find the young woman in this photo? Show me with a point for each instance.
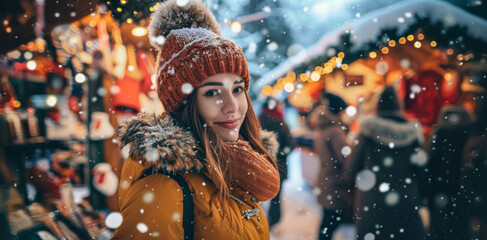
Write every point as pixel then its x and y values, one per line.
pixel 208 140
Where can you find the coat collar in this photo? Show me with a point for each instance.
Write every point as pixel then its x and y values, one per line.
pixel 160 141
pixel 386 131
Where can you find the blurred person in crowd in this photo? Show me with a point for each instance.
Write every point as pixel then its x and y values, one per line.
pixel 384 165
pixel 330 143
pixel 441 183
pixel 474 176
pixel 272 119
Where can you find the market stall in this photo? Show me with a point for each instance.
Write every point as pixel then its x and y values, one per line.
pixel 66 84
pixel 433 55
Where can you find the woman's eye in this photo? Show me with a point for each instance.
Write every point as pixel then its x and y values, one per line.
pixel 238 90
pixel 211 93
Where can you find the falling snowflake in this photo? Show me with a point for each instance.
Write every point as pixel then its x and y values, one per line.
pixel 101 92
pixel 170 70
pixel 369 236
pixel 124 185
pixel 114 90
pixel 114 220
pixel 365 180
pixel 148 197
pixel 392 199
pixel 384 187
pixel 142 227
pixel 405 63
pixel 186 88
pixel 176 216
pixel 182 3
pixel 441 200
pixel 316 191
pixel 419 158
pixel 346 151
pixel 388 161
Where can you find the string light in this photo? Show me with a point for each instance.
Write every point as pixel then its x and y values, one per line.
pixel 433 43
pixel 392 43
pixel 315 76
pixel 410 38
pixel 289 87
pixel 345 67
pixel 16 104
pixel 420 36
pixel 385 50
pixel 139 31
pixel 236 27
pixel 372 55
pixel 402 40
pixel 266 90
pixel 31 65
pixel 417 44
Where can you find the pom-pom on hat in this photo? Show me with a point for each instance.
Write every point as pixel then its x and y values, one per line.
pixel 190 50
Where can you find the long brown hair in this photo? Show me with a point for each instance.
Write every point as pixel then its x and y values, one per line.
pixel 216 153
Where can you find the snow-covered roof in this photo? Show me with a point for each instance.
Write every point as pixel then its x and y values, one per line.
pixel 366 29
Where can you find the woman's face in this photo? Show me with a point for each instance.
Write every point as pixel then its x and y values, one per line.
pixel 222 104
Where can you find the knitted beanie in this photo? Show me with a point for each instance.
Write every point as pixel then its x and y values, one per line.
pixel 335 103
pixel 190 51
pixel 388 101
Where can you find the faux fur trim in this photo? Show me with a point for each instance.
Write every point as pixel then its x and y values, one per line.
pixel 453 116
pixel 170 16
pixel 159 140
pixel 385 131
pixel 269 142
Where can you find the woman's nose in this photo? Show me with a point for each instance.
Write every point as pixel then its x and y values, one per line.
pixel 229 104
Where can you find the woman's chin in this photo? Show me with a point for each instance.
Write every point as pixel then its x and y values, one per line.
pixel 228 135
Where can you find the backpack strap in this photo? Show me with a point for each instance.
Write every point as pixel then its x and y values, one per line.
pixel 188 208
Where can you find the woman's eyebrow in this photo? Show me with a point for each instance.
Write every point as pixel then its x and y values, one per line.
pixel 210 84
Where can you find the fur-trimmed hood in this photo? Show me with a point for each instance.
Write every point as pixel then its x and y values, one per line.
pixel 453 116
pixel 159 140
pixel 386 131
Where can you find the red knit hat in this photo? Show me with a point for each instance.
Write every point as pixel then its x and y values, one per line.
pixel 191 50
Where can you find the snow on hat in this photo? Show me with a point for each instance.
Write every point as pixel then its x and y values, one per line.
pixel 190 50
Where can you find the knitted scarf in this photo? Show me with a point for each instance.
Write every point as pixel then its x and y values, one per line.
pixel 254 172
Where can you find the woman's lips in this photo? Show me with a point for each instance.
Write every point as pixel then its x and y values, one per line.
pixel 231 124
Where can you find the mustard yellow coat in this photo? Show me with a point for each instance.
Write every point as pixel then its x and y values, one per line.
pixel 152 207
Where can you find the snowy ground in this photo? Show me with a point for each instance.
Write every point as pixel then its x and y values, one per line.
pixel 301 214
